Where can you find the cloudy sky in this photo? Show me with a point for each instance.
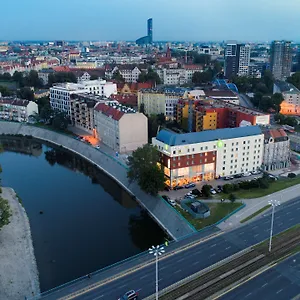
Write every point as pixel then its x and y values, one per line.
pixel 190 20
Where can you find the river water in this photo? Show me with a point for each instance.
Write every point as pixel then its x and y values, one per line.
pixel 81 220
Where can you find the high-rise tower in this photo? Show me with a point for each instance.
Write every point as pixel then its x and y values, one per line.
pixel 281 59
pixel 149 30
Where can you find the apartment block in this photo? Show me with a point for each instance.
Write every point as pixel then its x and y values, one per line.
pixel 291 103
pixel 276 150
pixel 206 155
pixel 19 110
pixel 119 127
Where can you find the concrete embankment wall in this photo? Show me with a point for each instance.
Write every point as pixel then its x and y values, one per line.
pixel 173 223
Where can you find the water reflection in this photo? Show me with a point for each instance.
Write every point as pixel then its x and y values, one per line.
pixel 81 228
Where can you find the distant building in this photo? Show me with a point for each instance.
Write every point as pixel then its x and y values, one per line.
pixel 291 103
pixel 281 59
pixel 160 100
pixel 203 156
pixel 276 150
pixel 208 114
pixel 130 72
pixel 227 96
pixel 148 39
pixel 237 60
pixel 44 75
pixel 119 127
pixel 41 93
pixel 62 94
pixel 133 88
pixel 126 99
pixel 14 109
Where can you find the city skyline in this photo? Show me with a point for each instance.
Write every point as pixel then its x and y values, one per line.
pixel 216 20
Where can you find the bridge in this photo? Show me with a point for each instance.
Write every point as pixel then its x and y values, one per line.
pixel 201 252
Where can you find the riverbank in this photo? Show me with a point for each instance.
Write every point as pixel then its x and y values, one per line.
pixel 18 268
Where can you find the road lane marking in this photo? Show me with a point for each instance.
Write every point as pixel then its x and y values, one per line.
pixel 212 255
pixel 214 245
pixel 248 295
pixel 181 259
pixel 254 227
pixel 228 248
pixel 256 235
pixel 162 268
pixel 177 271
pixel 279 291
pixel 195 263
pixel 143 276
pixel 101 296
pixel 264 285
pixel 122 286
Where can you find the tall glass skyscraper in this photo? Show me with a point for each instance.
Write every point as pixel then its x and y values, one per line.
pixel 149 31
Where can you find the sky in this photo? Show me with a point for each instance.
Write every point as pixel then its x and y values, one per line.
pixel 173 20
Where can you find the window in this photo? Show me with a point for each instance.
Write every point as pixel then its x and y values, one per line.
pixel 237 143
pixel 201 148
pixel 230 172
pixel 192 155
pixel 231 161
pixel 192 162
pixel 174 152
pixel 206 147
pixel 248 142
pixel 174 158
pixel 224 162
pixel 179 164
pixel 232 150
pixel 178 157
pixel 236 149
pixel 214 146
pixel 187 163
pixel 224 150
pixel 244 142
pixel 224 145
pixel 244 148
pixel 223 168
pixel 235 160
pixel 193 149
pixel 224 157
pixel 188 150
pixel 231 155
pixel 205 154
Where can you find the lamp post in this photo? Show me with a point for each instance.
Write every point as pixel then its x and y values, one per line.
pixel 156 251
pixel 274 203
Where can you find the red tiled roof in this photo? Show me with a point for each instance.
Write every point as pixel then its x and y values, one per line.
pixel 109 111
pixel 12 101
pixel 130 99
pixel 62 69
pixel 277 133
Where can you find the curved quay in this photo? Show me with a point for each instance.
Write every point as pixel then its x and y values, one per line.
pixel 168 218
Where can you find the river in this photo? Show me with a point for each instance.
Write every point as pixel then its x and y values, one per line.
pixel 80 219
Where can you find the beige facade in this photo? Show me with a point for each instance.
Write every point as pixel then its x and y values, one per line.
pixel 154 102
pixel 13 109
pixel 119 127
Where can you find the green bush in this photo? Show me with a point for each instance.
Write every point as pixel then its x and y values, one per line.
pixel 232 197
pixel 5 212
pixel 206 190
pixel 227 188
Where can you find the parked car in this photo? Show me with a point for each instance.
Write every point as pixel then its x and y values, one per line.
pixel 172 202
pixel 219 190
pixel 178 187
pixel 228 178
pixel 167 198
pixel 273 177
pixel 255 172
pixel 190 185
pixel 238 175
pixel 130 295
pixel 246 174
pixel 213 191
pixel 220 187
pixel 97 147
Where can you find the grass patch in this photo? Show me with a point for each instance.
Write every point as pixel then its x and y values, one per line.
pixel 217 212
pixel 256 213
pixel 274 187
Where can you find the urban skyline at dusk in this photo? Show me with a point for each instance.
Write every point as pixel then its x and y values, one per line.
pixel 195 21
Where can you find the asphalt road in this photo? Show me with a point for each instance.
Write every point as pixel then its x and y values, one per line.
pixel 280 282
pixel 181 265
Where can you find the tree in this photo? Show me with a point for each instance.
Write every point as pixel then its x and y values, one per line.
pixel 144 169
pixel 277 99
pixel 60 77
pixel 295 79
pixel 201 58
pixel 154 121
pixel 33 79
pixel 268 80
pixel 5 91
pixel 25 93
pixel 227 188
pixel 60 121
pixel 151 75
pixel 142 77
pixel 18 78
pixel 43 101
pixel 232 198
pixel 6 76
pixel 202 77
pixel 206 190
pixel 46 113
pixel 117 76
pixel 5 212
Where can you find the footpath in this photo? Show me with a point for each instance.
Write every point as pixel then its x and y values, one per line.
pixel 168 218
pixel 253 205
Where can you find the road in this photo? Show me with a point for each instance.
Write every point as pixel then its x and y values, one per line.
pixel 183 264
pixel 279 282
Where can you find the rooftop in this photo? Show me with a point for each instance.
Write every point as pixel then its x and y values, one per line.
pixel 116 111
pixel 14 101
pixel 175 139
pixel 286 87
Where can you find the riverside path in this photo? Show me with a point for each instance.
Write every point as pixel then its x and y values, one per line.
pixel 167 217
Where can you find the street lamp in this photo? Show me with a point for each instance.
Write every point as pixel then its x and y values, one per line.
pixel 274 203
pixel 156 251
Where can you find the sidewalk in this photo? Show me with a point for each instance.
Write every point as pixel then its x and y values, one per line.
pixel 253 205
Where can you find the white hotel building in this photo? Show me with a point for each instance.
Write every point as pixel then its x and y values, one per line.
pixel 62 94
pixel 210 154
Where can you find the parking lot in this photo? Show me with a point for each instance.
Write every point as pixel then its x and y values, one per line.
pixel 176 194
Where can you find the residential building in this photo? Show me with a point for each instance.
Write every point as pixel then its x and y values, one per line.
pixel 126 99
pixel 237 60
pixel 208 113
pixel 291 103
pixel 119 127
pixel 206 155
pixel 130 72
pixel 62 94
pixel 281 59
pixel 14 109
pixel 44 74
pixel 41 93
pixel 276 150
pixel 161 101
pixel 133 88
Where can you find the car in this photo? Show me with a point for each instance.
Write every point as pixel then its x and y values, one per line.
pixel 219 190
pixel 178 187
pixel 97 147
pixel 167 198
pixel 220 187
pixel 172 202
pixel 213 191
pixel 189 197
pixel 273 177
pixel 166 188
pixel 255 172
pixel 130 295
pixel 254 178
pixel 190 185
pixel 246 174
pixel 228 178
pixel 238 175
